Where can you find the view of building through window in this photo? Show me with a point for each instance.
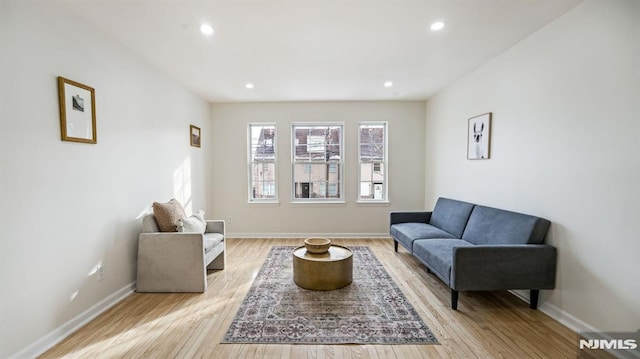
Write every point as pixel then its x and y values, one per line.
pixel 317 161
pixel 262 162
pixel 317 153
pixel 373 177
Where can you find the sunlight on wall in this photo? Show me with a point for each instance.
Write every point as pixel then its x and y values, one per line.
pixel 182 185
pixel 147 210
pixel 97 270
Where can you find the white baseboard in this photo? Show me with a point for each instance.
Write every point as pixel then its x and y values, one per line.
pixel 558 314
pixel 45 343
pixel 307 235
pixel 573 323
pixel 585 330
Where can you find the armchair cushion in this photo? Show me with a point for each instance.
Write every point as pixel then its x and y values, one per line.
pixel 193 224
pixel 167 214
pixel 211 240
pixel 149 224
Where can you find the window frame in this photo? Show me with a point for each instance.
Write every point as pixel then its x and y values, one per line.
pixel 339 165
pixel 385 163
pixel 250 162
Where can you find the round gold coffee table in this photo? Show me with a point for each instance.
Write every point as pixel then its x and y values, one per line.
pixel 324 271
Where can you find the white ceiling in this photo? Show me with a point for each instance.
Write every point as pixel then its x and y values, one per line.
pixel 318 50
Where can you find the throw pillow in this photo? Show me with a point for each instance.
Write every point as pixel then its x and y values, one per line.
pixel 193 224
pixel 167 213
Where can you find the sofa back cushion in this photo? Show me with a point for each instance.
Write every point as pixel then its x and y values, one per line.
pixel 149 224
pixel 451 215
pixel 488 225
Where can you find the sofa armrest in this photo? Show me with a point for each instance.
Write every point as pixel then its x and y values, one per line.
pixel 215 226
pixel 408 217
pixel 171 262
pixel 489 267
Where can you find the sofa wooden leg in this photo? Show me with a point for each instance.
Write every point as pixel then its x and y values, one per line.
pixel 395 245
pixel 533 298
pixel 454 299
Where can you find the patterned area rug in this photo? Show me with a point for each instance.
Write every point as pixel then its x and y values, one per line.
pixel 371 310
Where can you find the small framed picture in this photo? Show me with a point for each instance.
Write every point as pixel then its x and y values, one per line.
pixel 479 137
pixel 194 133
pixel 77 111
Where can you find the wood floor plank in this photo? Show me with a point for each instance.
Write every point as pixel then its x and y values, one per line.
pixel 187 325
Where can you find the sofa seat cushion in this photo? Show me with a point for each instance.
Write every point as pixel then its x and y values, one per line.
pixel 438 253
pixel 211 240
pixel 406 233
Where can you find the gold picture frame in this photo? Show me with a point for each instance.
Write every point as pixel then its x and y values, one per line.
pixel 479 137
pixel 77 111
pixel 194 136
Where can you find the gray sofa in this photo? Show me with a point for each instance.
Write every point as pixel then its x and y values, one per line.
pixel 178 261
pixel 473 247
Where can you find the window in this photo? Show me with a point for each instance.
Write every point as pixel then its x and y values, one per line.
pixel 262 162
pixel 317 162
pixel 372 146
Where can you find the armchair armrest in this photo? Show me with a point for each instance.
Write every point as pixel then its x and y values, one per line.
pixel 215 226
pixel 219 259
pixel 407 217
pixel 498 267
pixel 171 262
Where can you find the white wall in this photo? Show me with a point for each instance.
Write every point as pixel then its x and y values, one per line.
pixel 229 194
pixel 68 206
pixel 565 103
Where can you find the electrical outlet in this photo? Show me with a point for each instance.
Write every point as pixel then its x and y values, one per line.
pixel 230 219
pixel 100 273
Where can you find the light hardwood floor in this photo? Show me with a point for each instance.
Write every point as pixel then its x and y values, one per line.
pixel 147 325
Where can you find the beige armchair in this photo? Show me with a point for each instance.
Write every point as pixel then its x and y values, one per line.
pixel 178 261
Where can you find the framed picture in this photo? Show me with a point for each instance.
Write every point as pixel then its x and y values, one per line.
pixel 77 111
pixel 194 133
pixel 479 137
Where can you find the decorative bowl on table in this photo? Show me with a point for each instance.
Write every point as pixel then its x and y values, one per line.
pixel 317 245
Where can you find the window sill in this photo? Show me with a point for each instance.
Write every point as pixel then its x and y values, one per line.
pixel 305 203
pixel 373 203
pixel 264 203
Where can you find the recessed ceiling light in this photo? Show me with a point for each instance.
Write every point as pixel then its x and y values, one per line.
pixel 437 26
pixel 388 84
pixel 206 29
pixel 249 85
